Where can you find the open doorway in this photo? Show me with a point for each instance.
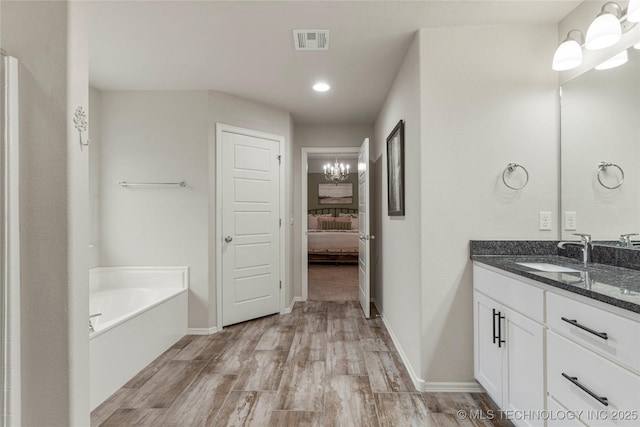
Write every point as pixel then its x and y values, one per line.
pixel 330 229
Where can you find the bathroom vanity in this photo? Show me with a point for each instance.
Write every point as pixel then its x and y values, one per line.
pixel 557 342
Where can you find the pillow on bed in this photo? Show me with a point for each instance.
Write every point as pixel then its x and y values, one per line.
pixel 335 225
pixel 330 218
pixel 312 220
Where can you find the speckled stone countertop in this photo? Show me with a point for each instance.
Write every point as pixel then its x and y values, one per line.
pixel 607 283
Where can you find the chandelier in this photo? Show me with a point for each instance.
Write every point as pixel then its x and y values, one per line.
pixel 336 173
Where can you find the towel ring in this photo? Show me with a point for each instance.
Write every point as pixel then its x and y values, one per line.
pixel 602 167
pixel 510 168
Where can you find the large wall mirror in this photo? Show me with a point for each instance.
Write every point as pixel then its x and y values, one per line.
pixel 600 142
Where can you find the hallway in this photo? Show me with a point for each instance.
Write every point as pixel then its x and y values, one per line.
pixel 323 364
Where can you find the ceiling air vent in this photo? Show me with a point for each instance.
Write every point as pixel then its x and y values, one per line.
pixel 311 39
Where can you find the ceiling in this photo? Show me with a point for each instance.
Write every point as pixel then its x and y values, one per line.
pixel 245 48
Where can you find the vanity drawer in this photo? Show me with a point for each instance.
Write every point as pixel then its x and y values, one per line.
pixel 623 335
pixel 559 416
pixel 598 376
pixel 520 296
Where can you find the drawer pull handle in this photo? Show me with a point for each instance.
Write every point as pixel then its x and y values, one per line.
pixel 500 340
pixel 495 337
pixel 498 337
pixel 574 380
pixel 575 323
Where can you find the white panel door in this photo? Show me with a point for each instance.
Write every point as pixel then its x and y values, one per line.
pixel 250 227
pixel 364 246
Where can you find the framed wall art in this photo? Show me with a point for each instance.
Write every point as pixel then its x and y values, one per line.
pixel 395 170
pixel 335 194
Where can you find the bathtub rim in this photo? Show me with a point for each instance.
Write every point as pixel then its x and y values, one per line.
pixel 136 313
pixel 138 277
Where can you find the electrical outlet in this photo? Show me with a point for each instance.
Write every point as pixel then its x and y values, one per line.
pixel 570 221
pixel 545 221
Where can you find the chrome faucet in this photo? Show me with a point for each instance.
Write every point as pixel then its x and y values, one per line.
pixel 625 240
pixel 585 244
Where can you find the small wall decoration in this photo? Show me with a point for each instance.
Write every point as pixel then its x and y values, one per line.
pixel 80 123
pixel 395 170
pixel 335 194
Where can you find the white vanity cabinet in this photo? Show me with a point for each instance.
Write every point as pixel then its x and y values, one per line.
pixel 537 348
pixel 509 342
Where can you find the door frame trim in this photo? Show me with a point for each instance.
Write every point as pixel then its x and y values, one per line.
pixel 304 245
pixel 220 128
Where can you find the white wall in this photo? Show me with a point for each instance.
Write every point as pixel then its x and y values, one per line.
pixel 317 136
pixel 94 118
pixel 156 137
pixel 396 260
pixel 489 97
pixel 53 203
pixel 247 114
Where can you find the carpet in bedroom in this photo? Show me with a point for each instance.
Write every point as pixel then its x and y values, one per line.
pixel 333 282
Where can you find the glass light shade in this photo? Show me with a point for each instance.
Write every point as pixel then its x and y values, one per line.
pixel 614 62
pixel 633 11
pixel 636 46
pixel 568 55
pixel 603 32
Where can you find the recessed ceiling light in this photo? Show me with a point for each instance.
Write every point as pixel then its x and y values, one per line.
pixel 321 87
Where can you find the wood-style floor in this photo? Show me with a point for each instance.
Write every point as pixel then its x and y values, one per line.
pixel 322 365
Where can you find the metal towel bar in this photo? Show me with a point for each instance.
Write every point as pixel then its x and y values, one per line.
pixel 125 184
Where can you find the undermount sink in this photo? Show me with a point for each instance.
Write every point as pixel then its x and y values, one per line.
pixel 551 268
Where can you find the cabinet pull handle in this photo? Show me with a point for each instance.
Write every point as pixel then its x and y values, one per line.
pixel 575 323
pixel 574 380
pixel 500 340
pixel 495 337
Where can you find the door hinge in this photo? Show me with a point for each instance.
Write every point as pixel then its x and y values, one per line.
pixel 280 284
pixel 279 159
pixel 280 222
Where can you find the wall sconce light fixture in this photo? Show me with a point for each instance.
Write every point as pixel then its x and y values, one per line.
pixel 605 30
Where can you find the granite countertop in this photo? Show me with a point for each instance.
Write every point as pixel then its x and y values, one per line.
pixel 607 283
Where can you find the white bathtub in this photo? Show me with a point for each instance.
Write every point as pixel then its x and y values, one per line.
pixel 143 312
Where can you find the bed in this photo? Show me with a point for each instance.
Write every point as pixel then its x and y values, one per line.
pixel 333 235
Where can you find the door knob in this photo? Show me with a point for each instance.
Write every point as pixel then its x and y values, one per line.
pixel 228 239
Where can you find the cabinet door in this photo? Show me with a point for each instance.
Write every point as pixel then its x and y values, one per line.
pixel 487 354
pixel 523 376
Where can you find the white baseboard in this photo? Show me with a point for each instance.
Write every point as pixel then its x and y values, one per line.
pixel 419 383
pixel 472 387
pixel 202 331
pixel 287 310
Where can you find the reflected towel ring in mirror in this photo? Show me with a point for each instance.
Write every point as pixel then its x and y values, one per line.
pixel 602 167
pixel 80 122
pixel 509 169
